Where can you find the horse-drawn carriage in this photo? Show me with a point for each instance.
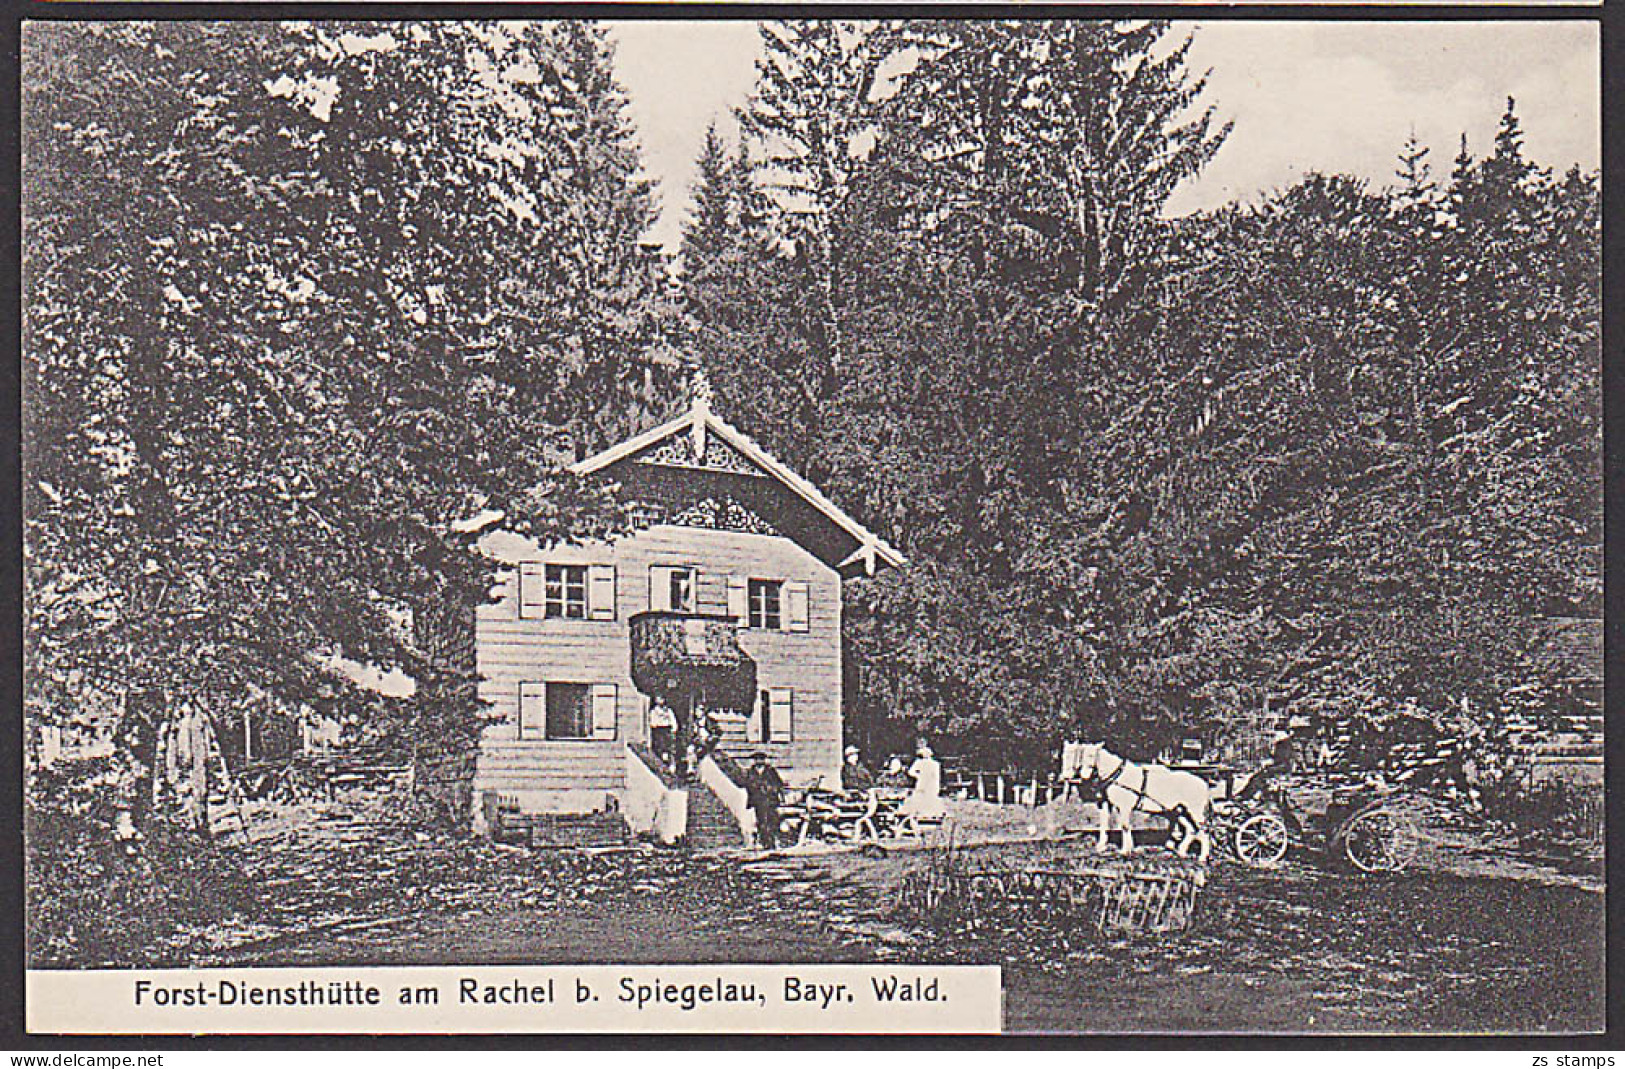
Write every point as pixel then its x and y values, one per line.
pixel 1367 817
pixel 1363 820
pixel 1258 815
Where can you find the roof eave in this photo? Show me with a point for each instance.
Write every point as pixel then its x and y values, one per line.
pixel 703 417
pixel 871 555
pixel 637 442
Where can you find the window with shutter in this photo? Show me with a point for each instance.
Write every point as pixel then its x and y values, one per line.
pixel 604 710
pixel 601 591
pixel 795 605
pixel 781 714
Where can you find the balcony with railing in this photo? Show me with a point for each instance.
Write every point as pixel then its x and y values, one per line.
pixel 689 657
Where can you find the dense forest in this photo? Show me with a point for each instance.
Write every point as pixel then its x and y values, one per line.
pixel 1334 450
pixel 298 298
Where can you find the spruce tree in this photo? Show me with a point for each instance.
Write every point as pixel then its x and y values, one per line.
pixel 991 272
pixel 744 304
pixel 367 280
pixel 807 118
pixel 712 217
pixel 1416 186
pixel 1509 141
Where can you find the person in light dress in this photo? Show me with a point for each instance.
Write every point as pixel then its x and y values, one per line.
pixel 925 799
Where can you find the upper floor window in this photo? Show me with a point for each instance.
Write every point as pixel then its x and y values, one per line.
pixel 565 593
pixel 681 584
pixel 769 604
pixel 674 588
pixel 766 604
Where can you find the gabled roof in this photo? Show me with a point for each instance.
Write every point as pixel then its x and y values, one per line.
pixel 700 421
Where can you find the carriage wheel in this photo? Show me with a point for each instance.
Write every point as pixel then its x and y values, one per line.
pixel 1380 841
pixel 1261 839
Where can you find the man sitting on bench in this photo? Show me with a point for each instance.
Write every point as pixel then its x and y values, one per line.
pixel 855 778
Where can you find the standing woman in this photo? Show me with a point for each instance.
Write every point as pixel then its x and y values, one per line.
pixel 925 800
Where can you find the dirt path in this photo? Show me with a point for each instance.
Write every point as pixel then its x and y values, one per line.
pixel 1477 939
pixel 1294 949
pixel 1481 943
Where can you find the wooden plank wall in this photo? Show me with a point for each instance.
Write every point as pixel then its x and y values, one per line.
pixel 511 651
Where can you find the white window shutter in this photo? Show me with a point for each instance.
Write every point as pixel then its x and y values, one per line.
pixel 601 591
pixel 737 607
pixel 532 710
pixel 532 590
pixel 782 713
pixel 659 588
pixel 604 713
pixel 795 605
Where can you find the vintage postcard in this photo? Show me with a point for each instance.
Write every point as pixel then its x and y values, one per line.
pixel 1062 526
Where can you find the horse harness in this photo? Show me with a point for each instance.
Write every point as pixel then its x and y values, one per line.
pixel 1140 795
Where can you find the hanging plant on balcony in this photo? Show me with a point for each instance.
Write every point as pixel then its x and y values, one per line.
pixel 691 657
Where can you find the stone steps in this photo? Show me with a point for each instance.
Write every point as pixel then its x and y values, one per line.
pixel 710 826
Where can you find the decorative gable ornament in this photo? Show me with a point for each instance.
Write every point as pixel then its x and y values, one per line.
pixel 677 451
pixel 723 514
pixel 701 440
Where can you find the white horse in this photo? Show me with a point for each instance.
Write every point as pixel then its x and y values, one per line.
pixel 1126 788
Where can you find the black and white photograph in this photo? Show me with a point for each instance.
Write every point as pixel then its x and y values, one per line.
pixel 1056 526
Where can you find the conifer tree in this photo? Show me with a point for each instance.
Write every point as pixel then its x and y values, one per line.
pixel 812 107
pixel 987 270
pixel 744 304
pixel 1508 154
pixel 713 215
pixel 1416 185
pixel 368 280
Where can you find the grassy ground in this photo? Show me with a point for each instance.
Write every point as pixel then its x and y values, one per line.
pixel 1500 945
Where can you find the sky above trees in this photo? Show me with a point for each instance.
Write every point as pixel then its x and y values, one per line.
pixel 1333 97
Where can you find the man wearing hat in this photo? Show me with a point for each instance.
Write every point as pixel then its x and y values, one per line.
pixel 762 793
pixel 855 778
